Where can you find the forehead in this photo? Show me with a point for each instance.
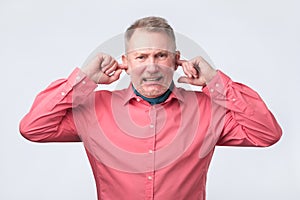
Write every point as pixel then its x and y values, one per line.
pixel 142 40
pixel 147 51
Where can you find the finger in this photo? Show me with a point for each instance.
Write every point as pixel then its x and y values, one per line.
pixel 115 76
pixel 192 81
pixel 184 79
pixel 112 67
pixel 185 67
pixel 106 63
pixel 106 60
pixel 180 62
pixel 192 69
pixel 102 79
pixel 121 66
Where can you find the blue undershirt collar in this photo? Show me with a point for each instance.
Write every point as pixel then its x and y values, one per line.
pixel 156 100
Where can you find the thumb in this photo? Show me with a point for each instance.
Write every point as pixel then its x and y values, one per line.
pixel 184 79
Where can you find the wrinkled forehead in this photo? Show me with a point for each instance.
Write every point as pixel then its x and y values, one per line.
pixel 147 39
pixel 149 51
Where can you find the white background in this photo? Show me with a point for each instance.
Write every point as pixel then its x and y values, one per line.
pixel 255 42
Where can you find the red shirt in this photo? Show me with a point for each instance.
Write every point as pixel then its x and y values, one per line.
pixel 142 151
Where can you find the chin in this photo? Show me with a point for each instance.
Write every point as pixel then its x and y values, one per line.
pixel 154 92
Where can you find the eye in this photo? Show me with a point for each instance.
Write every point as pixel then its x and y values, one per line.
pixel 162 55
pixel 140 57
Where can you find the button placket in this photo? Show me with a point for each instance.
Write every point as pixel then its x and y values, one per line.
pixel 150 175
pixel 152 116
pixel 78 78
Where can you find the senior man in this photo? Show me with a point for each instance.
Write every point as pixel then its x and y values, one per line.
pixel 152 140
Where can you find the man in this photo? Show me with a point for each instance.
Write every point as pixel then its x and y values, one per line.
pixel 151 140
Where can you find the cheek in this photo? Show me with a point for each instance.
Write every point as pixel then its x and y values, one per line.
pixel 132 67
pixel 170 63
pixel 169 66
pixel 137 70
pixel 135 74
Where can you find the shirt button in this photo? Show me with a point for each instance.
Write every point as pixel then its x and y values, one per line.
pixel 217 85
pixel 233 99
pixel 151 126
pixel 212 90
pixel 63 93
pixel 150 151
pixel 138 100
pixel 149 177
pixel 78 78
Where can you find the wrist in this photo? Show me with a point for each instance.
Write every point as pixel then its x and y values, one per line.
pixel 210 75
pixel 89 75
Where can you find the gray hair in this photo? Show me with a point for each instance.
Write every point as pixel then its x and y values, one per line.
pixel 150 24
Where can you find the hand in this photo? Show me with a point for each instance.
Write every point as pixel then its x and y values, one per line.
pixel 103 69
pixel 198 71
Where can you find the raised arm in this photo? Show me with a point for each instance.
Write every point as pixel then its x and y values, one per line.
pixel 50 117
pixel 239 115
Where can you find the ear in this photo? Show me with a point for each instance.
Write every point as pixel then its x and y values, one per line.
pixel 177 57
pixel 125 63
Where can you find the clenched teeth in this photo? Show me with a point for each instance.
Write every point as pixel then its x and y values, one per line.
pixel 152 79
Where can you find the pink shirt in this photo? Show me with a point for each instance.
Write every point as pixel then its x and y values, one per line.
pixel 138 151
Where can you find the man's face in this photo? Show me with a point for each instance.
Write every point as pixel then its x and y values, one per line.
pixel 151 61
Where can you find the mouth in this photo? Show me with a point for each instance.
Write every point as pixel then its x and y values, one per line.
pixel 152 79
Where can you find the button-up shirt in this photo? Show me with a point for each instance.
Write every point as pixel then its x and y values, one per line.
pixel 142 151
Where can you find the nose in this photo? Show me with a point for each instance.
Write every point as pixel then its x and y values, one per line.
pixel 152 65
pixel 152 68
pixel 151 60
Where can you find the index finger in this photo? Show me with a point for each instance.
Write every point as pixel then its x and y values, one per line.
pixel 180 62
pixel 120 66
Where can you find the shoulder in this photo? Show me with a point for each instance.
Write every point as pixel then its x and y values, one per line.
pixel 114 95
pixel 190 97
pixel 108 93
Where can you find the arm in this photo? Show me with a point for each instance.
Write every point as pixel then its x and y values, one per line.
pixel 239 115
pixel 50 118
pixel 243 116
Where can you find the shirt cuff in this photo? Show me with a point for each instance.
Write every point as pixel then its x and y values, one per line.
pixel 217 86
pixel 81 85
pixel 80 80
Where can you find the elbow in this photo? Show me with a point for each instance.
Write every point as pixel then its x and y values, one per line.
pixel 27 136
pixel 27 132
pixel 275 136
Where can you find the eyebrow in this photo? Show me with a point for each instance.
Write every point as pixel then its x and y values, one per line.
pixel 144 52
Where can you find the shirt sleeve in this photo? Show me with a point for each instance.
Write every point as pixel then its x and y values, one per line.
pixel 240 115
pixel 50 117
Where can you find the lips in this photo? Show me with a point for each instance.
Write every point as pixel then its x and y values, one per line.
pixel 152 79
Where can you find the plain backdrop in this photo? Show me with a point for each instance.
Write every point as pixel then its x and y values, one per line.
pixel 255 42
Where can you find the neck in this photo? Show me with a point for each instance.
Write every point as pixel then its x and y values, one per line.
pixel 156 100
